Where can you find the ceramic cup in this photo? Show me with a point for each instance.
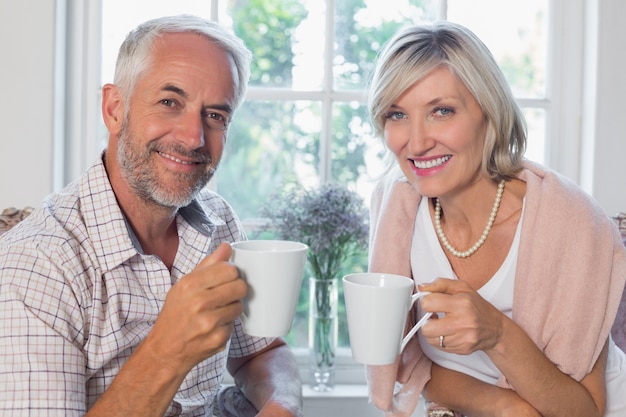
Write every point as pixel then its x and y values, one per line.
pixel 273 270
pixel 377 307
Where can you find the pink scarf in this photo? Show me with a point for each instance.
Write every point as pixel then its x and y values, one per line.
pixel 568 245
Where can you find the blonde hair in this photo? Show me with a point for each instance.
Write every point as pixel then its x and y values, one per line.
pixel 416 51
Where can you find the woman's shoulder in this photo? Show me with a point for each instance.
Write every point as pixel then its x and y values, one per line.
pixel 393 186
pixel 557 192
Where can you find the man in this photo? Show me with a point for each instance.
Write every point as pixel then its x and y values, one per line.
pixel 109 304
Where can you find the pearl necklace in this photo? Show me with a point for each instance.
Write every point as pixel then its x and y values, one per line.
pixel 483 237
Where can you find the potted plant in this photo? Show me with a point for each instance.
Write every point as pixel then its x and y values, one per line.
pixel 333 222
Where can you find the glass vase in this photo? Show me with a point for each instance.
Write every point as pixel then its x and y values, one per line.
pixel 322 333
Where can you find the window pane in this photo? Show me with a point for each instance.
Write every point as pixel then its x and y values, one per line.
pixel 361 27
pixel 270 143
pixel 279 34
pixel 357 155
pixel 517 35
pixel 536 124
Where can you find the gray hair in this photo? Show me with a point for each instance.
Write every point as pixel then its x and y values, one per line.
pixel 135 52
pixel 416 51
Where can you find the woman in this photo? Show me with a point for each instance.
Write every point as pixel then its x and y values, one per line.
pixel 525 270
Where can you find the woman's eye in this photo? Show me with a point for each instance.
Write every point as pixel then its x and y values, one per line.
pixel 395 115
pixel 443 111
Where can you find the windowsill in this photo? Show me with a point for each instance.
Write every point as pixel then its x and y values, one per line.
pixel 340 391
pixel 348 398
pixel 344 400
pixel 348 372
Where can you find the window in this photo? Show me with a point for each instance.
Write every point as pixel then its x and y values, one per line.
pixel 305 119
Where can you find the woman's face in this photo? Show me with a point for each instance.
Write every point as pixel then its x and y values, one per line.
pixel 436 130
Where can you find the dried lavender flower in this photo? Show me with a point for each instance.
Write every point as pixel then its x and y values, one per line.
pixel 332 220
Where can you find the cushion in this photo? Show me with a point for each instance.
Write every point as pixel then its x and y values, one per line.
pixel 618 331
pixel 12 216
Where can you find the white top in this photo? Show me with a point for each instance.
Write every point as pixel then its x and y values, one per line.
pixel 428 262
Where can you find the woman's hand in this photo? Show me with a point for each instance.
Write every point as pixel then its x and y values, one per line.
pixel 469 323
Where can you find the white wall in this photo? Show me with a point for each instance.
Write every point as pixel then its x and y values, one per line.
pixel 27 44
pixel 604 125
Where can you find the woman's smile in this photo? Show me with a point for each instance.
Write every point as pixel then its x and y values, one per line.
pixel 429 163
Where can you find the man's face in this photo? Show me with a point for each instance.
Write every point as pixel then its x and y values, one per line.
pixel 173 136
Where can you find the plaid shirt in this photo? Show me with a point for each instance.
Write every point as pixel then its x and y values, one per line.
pixel 77 296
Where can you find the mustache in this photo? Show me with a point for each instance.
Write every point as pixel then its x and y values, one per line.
pixel 178 150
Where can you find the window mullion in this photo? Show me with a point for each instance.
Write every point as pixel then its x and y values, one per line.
pixel 214 14
pixel 564 87
pixel 82 74
pixel 442 10
pixel 327 89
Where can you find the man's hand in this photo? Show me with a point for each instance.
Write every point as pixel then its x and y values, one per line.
pixel 198 316
pixel 195 323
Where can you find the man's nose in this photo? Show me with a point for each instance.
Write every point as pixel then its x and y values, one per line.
pixel 190 130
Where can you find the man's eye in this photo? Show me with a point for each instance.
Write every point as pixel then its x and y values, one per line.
pixel 216 116
pixel 216 120
pixel 168 103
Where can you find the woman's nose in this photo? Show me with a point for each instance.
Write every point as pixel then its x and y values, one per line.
pixel 420 138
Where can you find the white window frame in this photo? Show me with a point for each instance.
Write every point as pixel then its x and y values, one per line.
pixel 77 87
pixel 565 87
pixel 78 80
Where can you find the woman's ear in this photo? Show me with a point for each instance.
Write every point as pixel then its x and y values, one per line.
pixel 112 108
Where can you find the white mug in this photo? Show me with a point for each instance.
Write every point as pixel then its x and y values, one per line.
pixel 377 307
pixel 273 270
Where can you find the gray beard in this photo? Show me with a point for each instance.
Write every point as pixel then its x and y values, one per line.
pixel 141 176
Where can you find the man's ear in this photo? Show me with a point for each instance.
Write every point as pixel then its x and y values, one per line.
pixel 112 108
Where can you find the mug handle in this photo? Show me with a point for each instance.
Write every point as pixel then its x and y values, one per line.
pixel 419 324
